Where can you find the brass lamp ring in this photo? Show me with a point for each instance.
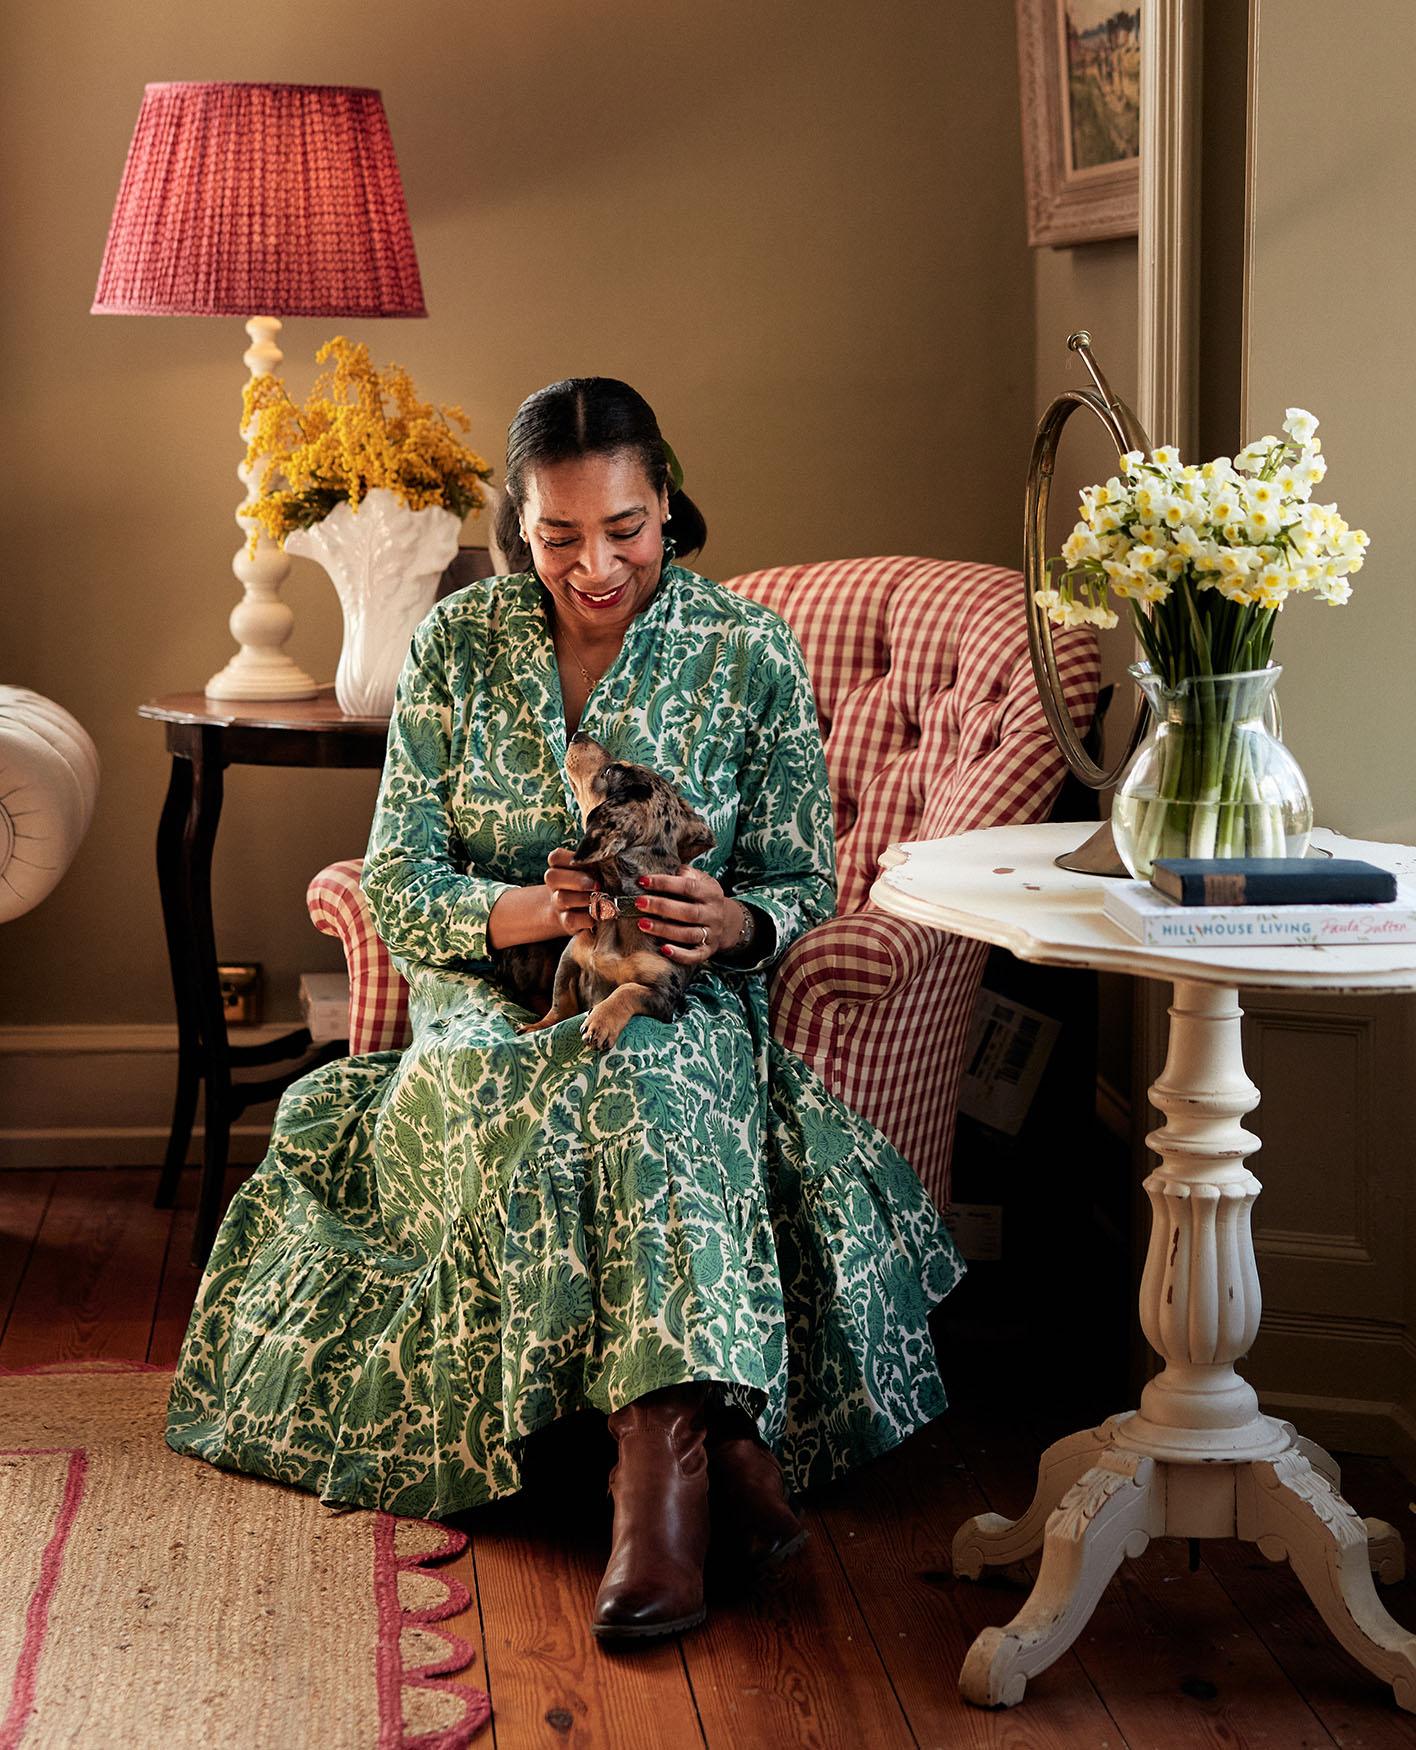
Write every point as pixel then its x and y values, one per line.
pixel 1127 433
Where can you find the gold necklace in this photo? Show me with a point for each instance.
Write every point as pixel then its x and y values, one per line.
pixel 575 656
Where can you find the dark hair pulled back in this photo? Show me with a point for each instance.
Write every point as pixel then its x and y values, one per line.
pixel 588 416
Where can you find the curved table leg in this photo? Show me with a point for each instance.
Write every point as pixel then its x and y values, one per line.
pixel 1110 1512
pixel 198 840
pixel 990 1540
pixel 1384 1546
pixel 1290 1510
pixel 175 924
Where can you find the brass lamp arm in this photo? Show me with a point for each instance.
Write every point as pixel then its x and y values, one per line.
pixel 1127 432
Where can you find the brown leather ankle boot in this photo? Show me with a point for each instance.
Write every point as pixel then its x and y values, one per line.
pixel 654 1582
pixel 749 1494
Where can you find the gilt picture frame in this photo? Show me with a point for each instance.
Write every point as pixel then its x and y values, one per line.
pixel 1079 68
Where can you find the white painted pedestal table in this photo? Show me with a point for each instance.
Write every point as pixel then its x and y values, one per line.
pixel 1198 1459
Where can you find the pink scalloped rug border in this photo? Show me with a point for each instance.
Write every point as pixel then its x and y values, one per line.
pixel 393 1618
pixel 22 1690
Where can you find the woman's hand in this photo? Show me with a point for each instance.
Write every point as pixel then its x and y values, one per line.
pixel 570 891
pixel 688 915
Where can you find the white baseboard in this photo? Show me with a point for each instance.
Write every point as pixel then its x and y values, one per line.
pixel 101 1096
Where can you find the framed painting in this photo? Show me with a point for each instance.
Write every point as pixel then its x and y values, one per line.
pixel 1079 64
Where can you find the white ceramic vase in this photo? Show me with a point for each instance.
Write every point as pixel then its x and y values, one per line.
pixel 385 561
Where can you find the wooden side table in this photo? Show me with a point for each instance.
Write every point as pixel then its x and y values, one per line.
pixel 204 736
pixel 1198 1459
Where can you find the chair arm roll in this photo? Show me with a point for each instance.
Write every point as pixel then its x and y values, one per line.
pixel 863 957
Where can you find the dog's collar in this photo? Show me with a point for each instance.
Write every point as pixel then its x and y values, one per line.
pixel 604 906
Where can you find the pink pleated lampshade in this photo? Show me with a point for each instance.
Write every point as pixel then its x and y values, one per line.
pixel 260 200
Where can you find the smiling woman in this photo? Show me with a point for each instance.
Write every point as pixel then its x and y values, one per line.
pixel 446 1250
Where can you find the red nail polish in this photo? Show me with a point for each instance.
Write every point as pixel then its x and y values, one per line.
pixel 668 950
pixel 643 880
pixel 641 902
pixel 644 924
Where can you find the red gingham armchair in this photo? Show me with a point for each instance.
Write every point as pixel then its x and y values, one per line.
pixel 932 726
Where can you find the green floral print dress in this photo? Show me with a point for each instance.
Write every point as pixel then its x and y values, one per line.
pixel 450 1246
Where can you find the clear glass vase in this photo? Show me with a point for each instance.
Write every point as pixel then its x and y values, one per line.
pixel 1212 778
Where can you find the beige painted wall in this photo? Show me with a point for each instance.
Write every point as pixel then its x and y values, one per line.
pixel 1332 209
pixel 798 230
pixel 1329 328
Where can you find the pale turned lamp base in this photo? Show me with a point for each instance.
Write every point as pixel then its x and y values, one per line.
pixel 1198 1459
pixel 260 622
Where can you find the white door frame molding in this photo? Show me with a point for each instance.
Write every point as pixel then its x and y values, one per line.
pixel 1168 257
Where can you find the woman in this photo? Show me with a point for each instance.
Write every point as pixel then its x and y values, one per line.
pixel 446 1249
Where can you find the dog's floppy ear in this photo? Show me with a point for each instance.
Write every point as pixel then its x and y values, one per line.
pixel 694 837
pixel 604 837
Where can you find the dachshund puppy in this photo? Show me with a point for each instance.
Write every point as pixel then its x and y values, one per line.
pixel 636 824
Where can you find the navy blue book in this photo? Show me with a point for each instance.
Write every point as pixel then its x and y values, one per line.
pixel 1272 881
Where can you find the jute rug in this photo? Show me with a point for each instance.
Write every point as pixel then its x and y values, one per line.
pixel 149 1599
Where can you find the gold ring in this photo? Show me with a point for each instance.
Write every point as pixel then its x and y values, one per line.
pixel 704 942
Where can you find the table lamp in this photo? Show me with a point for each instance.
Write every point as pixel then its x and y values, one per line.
pixel 260 201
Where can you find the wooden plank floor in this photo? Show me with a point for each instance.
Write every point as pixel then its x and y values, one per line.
pixel 857 1643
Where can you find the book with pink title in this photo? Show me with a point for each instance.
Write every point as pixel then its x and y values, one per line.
pixel 1159 922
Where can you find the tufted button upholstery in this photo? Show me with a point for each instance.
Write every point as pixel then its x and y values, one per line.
pixel 925 696
pixel 932 726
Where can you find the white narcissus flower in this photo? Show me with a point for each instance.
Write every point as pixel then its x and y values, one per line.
pixel 1299 424
pixel 1272 584
pixel 1217 525
pixel 1236 561
pixel 1080 546
pixel 1050 601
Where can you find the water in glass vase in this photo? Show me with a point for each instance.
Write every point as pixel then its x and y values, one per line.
pixel 1212 778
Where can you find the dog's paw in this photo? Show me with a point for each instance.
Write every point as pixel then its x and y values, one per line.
pixel 598 1032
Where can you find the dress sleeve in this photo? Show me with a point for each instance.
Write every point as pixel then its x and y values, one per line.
pixel 783 861
pixel 425 905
